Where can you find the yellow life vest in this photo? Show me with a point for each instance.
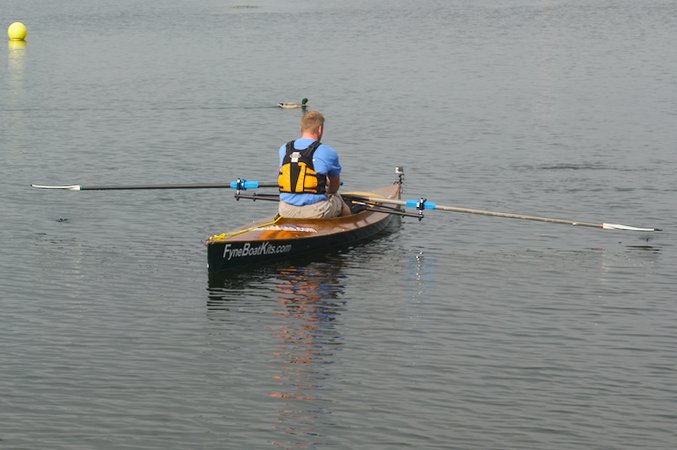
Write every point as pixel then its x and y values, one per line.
pixel 297 173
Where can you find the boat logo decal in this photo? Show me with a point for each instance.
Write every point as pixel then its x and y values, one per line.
pixel 287 228
pixel 265 248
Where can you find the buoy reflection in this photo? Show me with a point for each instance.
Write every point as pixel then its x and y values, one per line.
pixel 16 45
pixel 15 59
pixel 14 98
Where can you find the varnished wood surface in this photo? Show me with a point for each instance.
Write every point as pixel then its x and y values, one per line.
pixel 303 228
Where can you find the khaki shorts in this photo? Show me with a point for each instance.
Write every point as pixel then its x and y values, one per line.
pixel 331 207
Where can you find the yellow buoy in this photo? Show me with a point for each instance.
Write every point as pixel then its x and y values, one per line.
pixel 17 31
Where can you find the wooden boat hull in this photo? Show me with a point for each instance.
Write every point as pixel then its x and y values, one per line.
pixel 277 238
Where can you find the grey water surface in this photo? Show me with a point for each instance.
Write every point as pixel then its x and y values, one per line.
pixel 458 331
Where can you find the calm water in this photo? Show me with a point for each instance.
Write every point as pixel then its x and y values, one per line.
pixel 455 332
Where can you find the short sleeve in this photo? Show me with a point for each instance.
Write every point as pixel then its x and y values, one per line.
pixel 326 161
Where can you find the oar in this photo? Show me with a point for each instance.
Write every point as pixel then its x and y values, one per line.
pixel 424 204
pixel 239 184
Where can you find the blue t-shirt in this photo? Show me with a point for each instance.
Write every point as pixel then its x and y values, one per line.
pixel 325 161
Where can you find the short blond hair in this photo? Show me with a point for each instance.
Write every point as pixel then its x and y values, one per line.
pixel 312 121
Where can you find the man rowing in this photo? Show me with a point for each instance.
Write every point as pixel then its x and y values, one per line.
pixel 310 174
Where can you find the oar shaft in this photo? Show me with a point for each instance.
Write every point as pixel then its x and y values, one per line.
pixel 232 185
pixel 517 216
pixel 151 186
pixel 431 205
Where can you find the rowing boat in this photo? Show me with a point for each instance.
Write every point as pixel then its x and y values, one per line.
pixel 276 238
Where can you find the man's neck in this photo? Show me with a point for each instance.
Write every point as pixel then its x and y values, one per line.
pixel 312 136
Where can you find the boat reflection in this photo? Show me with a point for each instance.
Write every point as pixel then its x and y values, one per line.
pixel 304 311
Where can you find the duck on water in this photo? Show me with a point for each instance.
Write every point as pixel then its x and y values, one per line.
pixel 293 105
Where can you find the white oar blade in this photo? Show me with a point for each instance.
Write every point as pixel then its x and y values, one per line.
pixel 615 226
pixel 74 187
